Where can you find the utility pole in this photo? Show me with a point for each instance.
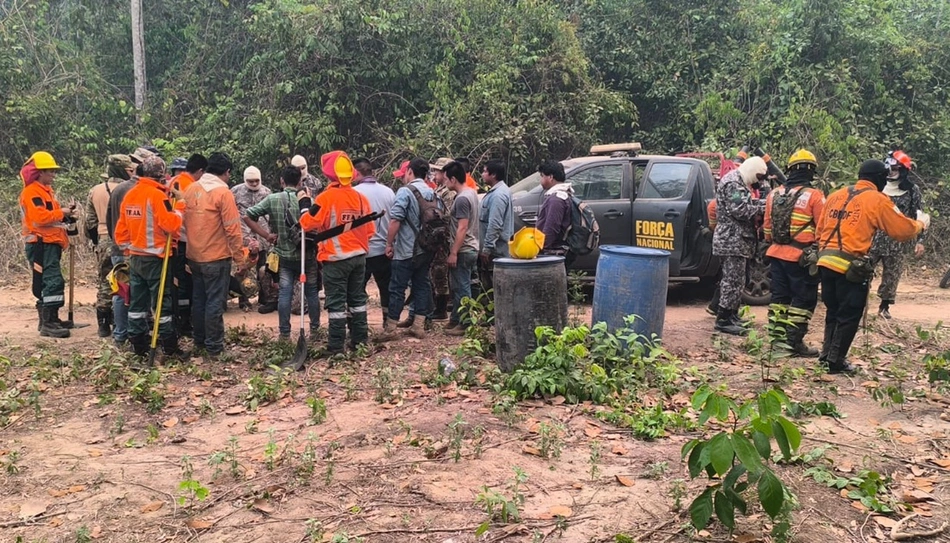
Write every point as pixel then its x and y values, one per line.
pixel 138 58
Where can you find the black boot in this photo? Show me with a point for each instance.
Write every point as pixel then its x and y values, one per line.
pixel 171 349
pixel 441 303
pixel 63 324
pixel 726 325
pixel 49 327
pixel 104 318
pixel 139 344
pixel 884 309
pixel 799 319
pixel 184 325
pixel 836 355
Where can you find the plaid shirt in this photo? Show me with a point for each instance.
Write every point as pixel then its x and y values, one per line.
pixel 274 207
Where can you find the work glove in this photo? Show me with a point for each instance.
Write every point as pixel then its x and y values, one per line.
pixel 924 218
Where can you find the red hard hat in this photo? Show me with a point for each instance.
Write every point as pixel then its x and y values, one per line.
pixel 903 158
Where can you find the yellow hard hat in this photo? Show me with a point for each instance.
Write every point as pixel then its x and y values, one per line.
pixel 44 161
pixel 802 156
pixel 526 243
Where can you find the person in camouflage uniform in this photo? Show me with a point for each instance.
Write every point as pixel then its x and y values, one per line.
pixel 440 271
pixel 246 195
pixel 885 249
pixel 119 168
pixel 735 238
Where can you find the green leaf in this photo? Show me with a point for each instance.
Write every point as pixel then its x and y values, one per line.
pixel 482 528
pixel 792 432
pixel 771 493
pixel 700 396
pixel 762 444
pixel 701 510
pixel 746 452
pixel 696 461
pixel 725 510
pixel 769 405
pixel 782 440
pixel 688 447
pixel 721 453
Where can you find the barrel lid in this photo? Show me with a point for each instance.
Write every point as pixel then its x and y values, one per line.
pixel 633 251
pixel 528 263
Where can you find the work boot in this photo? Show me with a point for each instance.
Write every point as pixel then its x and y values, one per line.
pixel 139 344
pixel 387 324
pixel 441 303
pixel 54 317
pixel 48 328
pixel 884 309
pixel 726 325
pixel 417 330
pixel 406 323
pixel 796 332
pixel 266 308
pixel 171 348
pixel 457 329
pixel 185 329
pixel 843 367
pixel 103 317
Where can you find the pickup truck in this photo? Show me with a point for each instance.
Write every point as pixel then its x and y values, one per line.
pixel 651 201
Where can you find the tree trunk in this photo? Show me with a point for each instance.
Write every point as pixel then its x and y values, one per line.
pixel 138 57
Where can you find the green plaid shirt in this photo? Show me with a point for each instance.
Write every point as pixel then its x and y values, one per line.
pixel 275 207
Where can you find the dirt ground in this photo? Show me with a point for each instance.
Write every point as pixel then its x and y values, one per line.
pixel 401 457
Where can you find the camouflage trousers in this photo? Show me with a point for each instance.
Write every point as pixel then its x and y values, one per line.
pixel 439 274
pixel 732 282
pixel 892 267
pixel 103 252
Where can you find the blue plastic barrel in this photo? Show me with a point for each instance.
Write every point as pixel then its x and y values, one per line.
pixel 528 294
pixel 631 281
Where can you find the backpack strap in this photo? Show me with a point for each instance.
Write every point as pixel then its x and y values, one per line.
pixel 822 245
pixel 418 194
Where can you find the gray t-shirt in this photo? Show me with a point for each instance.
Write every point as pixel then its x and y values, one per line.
pixel 466 207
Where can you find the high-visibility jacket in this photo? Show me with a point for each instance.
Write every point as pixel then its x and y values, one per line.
pixel 146 219
pixel 180 183
pixel 470 182
pixel 866 213
pixel 214 221
pixel 808 206
pixel 340 205
pixel 42 215
pixel 711 210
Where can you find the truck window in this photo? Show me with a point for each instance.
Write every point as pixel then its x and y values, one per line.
pixel 666 180
pixel 598 183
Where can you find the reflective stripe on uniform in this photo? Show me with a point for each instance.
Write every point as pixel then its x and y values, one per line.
pixel 164 320
pixel 358 309
pixel 49 299
pixel 336 315
pixel 137 315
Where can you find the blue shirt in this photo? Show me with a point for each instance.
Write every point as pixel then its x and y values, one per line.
pixel 406 210
pixel 496 221
pixel 381 198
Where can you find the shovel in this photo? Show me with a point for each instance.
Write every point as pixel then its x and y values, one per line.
pixel 158 303
pixel 300 355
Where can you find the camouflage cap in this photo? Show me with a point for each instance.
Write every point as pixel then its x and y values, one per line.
pixel 140 154
pixel 122 161
pixel 153 167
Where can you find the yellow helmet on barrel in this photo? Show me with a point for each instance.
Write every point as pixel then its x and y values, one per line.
pixel 526 243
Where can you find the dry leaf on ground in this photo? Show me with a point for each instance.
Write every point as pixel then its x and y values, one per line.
pixel 151 507
pixel 625 481
pixel 170 422
pixel 561 511
pixel 199 524
pixel 32 508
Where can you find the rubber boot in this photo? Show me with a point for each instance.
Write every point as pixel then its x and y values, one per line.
pixel 441 303
pixel 103 317
pixel 725 324
pixel 884 309
pixel 171 348
pixel 48 327
pixel 63 324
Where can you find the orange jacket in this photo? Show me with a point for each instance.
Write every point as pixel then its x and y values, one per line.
pixel 146 219
pixel 213 219
pixel 808 207
pixel 470 182
pixel 711 213
pixel 181 182
pixel 339 205
pixel 864 215
pixel 42 215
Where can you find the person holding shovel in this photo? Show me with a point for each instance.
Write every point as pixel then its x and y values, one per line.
pixel 147 218
pixel 44 234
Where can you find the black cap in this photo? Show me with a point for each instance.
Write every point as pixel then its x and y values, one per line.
pixel 874 171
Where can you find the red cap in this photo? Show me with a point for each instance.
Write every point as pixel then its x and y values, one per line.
pixel 401 172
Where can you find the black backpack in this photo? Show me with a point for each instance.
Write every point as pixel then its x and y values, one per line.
pixel 783 205
pixel 433 234
pixel 583 236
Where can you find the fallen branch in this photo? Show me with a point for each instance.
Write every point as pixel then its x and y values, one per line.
pixel 883 454
pixel 897 535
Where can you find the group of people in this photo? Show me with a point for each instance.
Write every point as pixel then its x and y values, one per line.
pixel 182 223
pixel 834 242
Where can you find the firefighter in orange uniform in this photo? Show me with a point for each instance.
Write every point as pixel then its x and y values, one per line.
pixel 146 219
pixel 846 225
pixel 44 236
pixel 343 257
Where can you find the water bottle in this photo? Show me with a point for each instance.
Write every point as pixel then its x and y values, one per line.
pixel 446 366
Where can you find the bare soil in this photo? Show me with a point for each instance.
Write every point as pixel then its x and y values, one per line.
pixel 82 463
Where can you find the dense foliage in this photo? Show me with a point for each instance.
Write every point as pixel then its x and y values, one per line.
pixel 519 80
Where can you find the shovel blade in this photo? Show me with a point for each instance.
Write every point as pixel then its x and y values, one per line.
pixel 300 354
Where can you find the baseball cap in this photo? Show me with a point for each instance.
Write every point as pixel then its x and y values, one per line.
pixel 401 172
pixel 440 164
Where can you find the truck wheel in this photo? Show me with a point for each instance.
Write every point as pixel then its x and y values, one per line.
pixel 758 286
